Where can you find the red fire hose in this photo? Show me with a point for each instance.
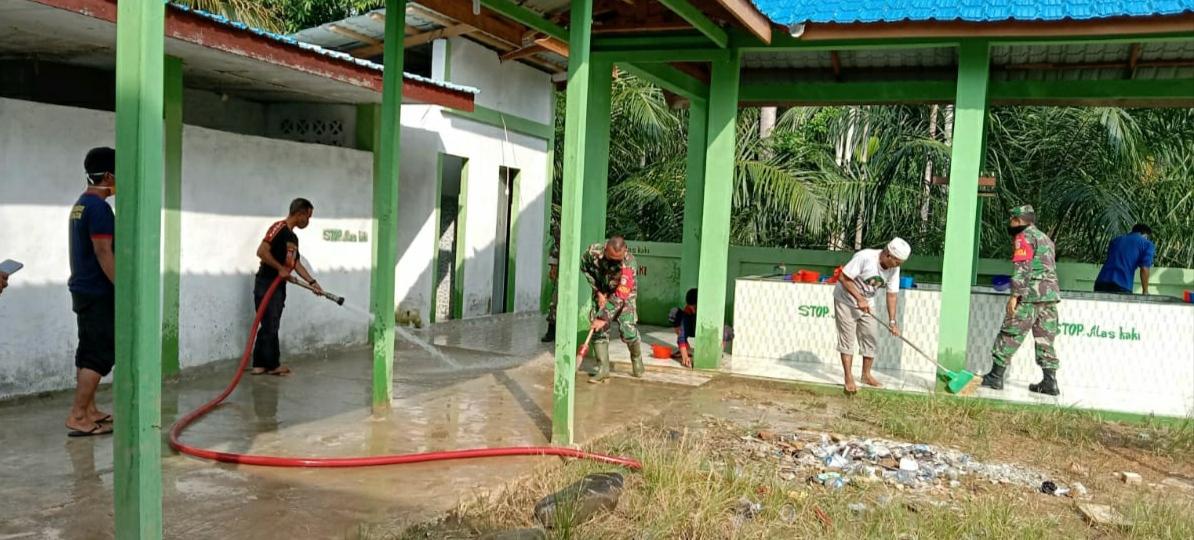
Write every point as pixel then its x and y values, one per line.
pixel 368 461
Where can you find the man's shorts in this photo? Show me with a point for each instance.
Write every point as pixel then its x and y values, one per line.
pixel 96 316
pixel 854 328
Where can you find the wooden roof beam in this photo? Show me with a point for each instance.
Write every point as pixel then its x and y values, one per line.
pixel 454 12
pixel 353 35
pixel 749 17
pixel 699 21
pixel 522 52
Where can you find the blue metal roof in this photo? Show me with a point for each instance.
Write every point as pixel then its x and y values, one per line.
pixel 345 57
pixel 850 11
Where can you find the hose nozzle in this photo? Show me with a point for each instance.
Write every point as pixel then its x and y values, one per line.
pixel 339 300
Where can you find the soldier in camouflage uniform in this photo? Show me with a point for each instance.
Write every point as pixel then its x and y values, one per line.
pixel 553 275
pixel 1033 303
pixel 610 269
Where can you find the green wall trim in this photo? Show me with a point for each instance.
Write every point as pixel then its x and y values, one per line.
pixel 508 121
pixel 660 287
pixel 457 303
pixel 385 209
pixel 137 385
pixel 527 18
pixel 512 245
pixel 172 227
pixel 698 20
pixel 1022 91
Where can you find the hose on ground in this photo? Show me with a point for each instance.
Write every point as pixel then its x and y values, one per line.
pixel 366 461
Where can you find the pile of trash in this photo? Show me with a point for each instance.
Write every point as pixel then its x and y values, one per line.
pixel 834 461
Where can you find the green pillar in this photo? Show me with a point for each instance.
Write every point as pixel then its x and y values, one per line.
pixel 173 215
pixel 137 388
pixel 965 162
pixel 575 153
pixel 694 195
pixel 596 178
pixel 715 214
pixel 385 209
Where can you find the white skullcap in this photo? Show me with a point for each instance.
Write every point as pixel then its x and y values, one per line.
pixel 899 248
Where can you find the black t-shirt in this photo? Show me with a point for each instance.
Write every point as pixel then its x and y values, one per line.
pixel 279 236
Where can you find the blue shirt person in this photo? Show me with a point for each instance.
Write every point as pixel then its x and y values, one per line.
pixel 1125 254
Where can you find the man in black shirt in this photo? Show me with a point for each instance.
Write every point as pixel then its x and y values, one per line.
pixel 279 257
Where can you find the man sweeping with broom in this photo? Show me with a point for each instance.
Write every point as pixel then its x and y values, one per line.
pixel 610 269
pixel 1033 303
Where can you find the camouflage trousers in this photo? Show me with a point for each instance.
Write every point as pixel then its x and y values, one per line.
pixel 551 308
pixel 627 321
pixel 1038 318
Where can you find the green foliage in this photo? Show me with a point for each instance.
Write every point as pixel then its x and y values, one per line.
pixel 285 16
pixel 851 177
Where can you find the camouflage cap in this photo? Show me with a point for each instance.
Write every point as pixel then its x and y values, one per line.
pixel 1023 210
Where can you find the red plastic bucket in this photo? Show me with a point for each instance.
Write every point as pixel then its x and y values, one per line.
pixel 661 351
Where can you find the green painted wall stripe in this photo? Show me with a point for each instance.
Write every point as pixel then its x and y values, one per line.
pixel 575 130
pixel 965 161
pixel 527 18
pixel 173 215
pixel 633 42
pixel 715 225
pixel 694 195
pixel 137 385
pixel 385 209
pixel 668 78
pixel 508 121
pixel 698 20
pixel 457 303
pixel 512 245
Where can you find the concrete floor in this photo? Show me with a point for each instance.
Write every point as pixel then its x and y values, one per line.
pixel 497 394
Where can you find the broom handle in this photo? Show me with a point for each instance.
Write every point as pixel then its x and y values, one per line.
pixel 910 344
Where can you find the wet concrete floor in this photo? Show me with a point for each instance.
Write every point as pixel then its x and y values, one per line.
pixel 497 395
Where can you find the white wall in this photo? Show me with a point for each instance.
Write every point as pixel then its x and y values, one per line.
pixel 234 187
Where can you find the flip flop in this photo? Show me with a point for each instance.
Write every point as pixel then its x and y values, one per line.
pixel 105 420
pixel 279 372
pixel 255 371
pixel 97 429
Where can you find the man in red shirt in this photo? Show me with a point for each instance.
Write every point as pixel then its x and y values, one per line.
pixel 279 257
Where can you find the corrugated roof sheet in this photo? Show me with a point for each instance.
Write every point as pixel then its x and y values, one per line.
pixel 345 57
pixel 849 11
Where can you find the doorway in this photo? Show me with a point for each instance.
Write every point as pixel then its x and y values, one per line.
pixel 505 250
pixel 447 287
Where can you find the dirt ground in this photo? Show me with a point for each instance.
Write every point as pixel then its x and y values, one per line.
pixel 703 470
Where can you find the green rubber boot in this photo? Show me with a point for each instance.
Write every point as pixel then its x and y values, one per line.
pixel 636 358
pixel 601 352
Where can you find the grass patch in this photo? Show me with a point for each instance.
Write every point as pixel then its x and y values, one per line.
pixel 683 491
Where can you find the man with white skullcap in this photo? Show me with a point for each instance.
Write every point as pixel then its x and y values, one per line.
pixel 868 271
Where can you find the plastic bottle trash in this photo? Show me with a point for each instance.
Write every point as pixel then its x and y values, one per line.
pixel 908 464
pixel 836 461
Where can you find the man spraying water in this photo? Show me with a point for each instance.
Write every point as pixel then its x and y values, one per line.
pixel 279 256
